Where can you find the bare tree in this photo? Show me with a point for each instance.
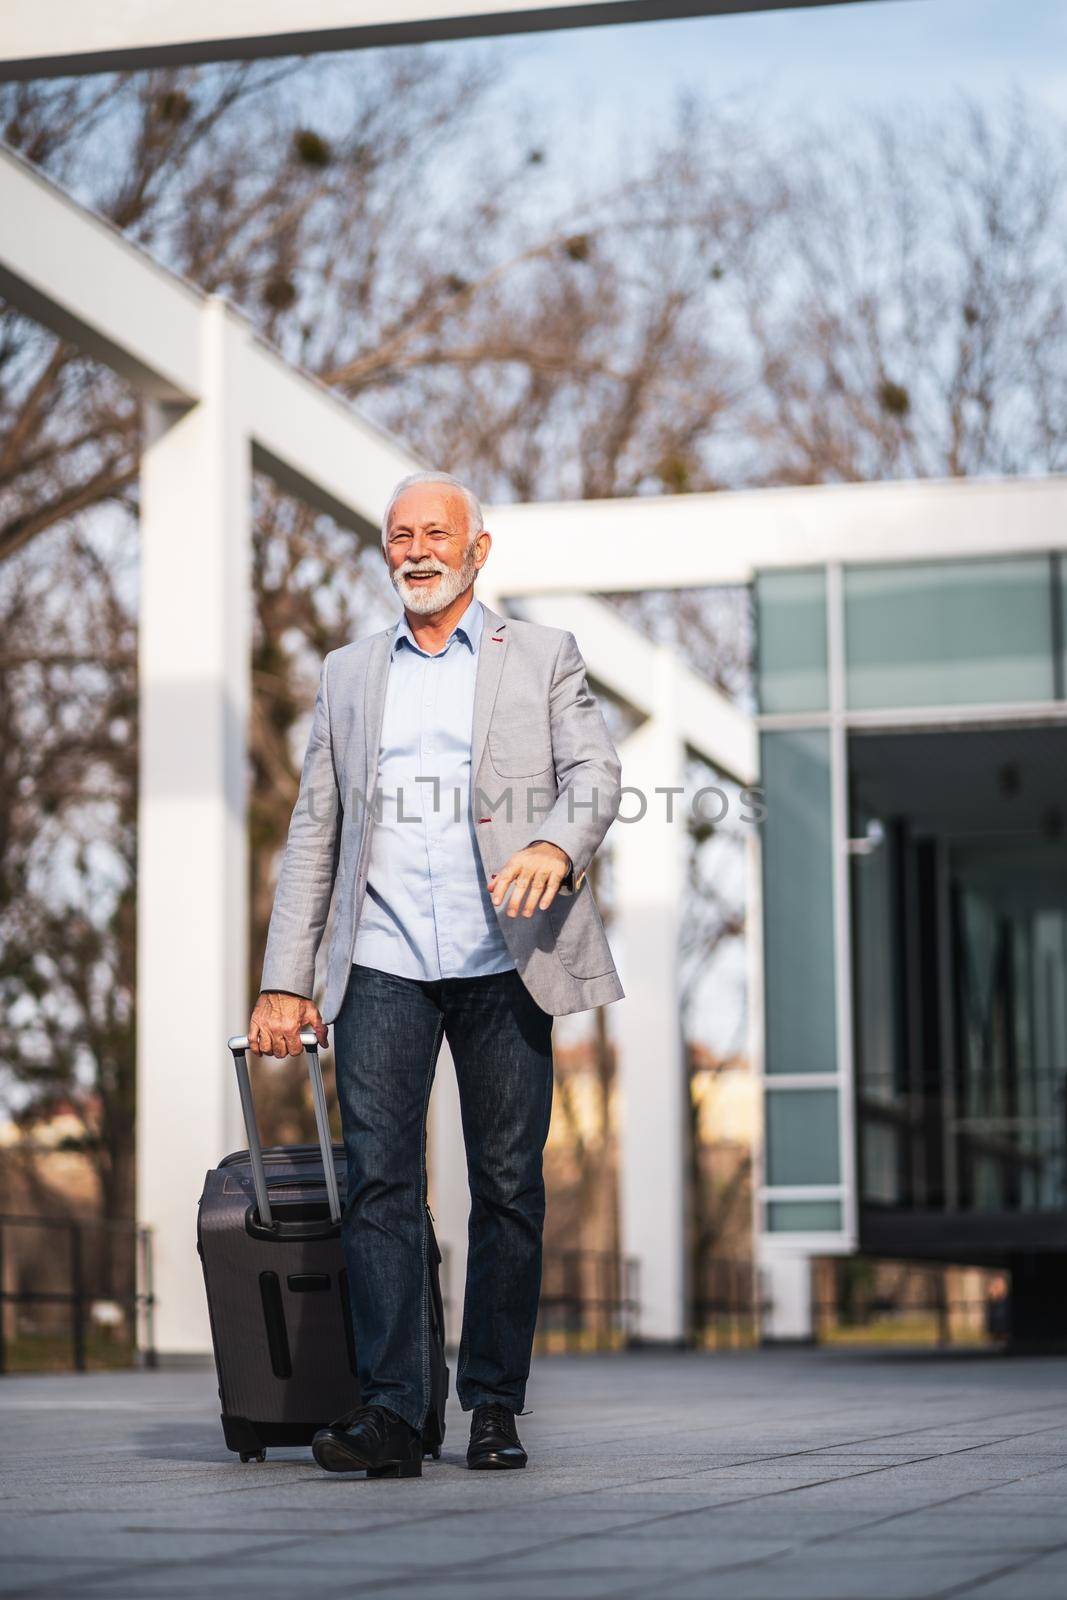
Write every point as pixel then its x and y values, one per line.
pixel 903 287
pixel 68 800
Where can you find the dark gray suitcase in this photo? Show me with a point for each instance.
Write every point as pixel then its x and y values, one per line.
pixel 269 1238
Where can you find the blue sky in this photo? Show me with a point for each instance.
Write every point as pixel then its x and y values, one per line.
pixel 831 59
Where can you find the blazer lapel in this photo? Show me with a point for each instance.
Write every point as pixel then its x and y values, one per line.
pixel 491 655
pixel 374 704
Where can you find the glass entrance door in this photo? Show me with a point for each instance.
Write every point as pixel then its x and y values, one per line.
pixel 959 907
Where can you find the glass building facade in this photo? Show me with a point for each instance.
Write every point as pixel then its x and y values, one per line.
pixel 913 733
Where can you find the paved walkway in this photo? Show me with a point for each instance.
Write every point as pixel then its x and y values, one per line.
pixel 761 1476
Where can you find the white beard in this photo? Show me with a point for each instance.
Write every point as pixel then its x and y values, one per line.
pixel 453 582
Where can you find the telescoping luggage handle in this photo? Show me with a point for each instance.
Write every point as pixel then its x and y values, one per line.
pixel 238 1047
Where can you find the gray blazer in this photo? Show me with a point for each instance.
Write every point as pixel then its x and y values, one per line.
pixel 544 768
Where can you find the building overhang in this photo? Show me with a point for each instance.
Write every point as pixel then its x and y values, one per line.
pixel 58 38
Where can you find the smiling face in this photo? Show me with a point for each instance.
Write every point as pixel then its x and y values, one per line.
pixel 431 563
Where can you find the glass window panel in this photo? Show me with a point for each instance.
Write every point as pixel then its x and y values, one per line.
pixel 801 1137
pixel 791 634
pixel 803 1216
pixel 881 1162
pixel 949 633
pixel 798 921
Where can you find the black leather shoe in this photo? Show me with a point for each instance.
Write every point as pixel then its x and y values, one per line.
pixel 370 1439
pixel 494 1441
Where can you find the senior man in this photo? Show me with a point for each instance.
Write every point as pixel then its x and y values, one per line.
pixel 458 779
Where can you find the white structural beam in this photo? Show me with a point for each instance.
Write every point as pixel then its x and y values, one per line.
pixel 628 664
pixel 192 891
pixel 703 540
pixel 76 274
pixel 312 442
pixel 649 876
pixel 56 37
pixel 450 1199
pixel 785 1287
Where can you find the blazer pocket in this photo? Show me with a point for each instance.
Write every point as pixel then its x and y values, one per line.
pixel 581 943
pixel 520 752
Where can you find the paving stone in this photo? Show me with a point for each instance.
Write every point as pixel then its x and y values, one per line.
pixel 814 1475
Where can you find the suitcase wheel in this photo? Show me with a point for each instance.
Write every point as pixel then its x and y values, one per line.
pixel 257 1455
pixel 433 1452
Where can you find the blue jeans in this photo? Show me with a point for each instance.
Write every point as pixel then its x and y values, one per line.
pixel 386 1039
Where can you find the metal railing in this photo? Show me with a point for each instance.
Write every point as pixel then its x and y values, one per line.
pixel 857 1301
pixel 590 1300
pixel 727 1305
pixel 78 1296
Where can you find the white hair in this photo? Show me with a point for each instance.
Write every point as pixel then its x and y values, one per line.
pixel 474 509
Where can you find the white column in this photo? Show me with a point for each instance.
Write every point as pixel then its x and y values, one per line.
pixel 785 1283
pixel 449 1191
pixel 650 887
pixel 192 943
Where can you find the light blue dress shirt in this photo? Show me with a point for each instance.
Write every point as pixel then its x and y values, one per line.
pixel 427 912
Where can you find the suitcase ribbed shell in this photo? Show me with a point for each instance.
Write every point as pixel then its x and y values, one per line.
pixel 280 1320
pixel 280 1317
